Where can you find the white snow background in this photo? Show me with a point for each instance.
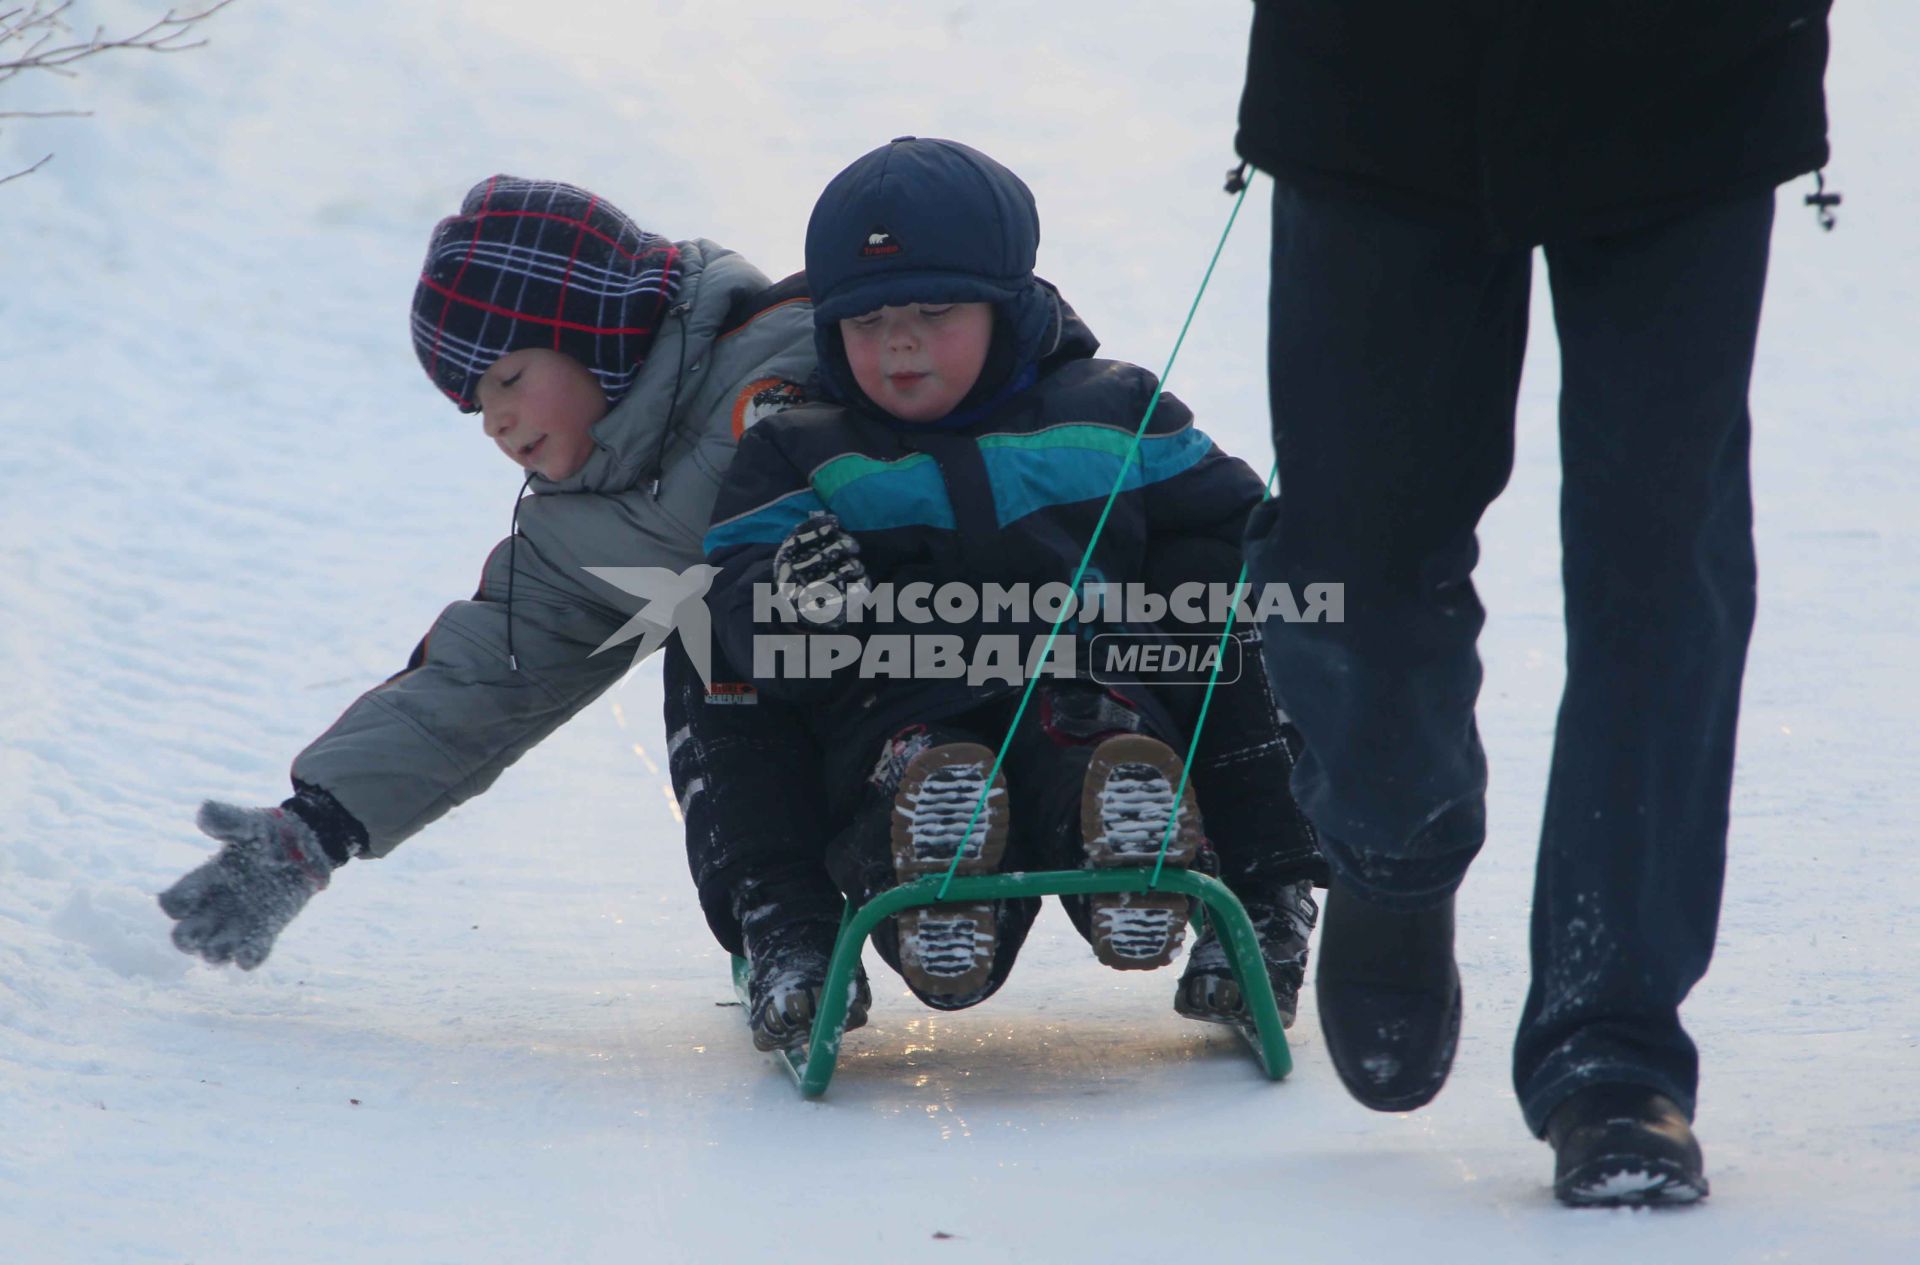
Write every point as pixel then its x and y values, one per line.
pixel 236 502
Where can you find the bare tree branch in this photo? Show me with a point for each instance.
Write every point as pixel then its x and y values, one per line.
pixel 166 34
pixel 40 27
pixel 27 171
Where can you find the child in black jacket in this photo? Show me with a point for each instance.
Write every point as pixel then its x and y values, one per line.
pixel 919 525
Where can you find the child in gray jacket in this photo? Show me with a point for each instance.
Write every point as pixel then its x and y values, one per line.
pixel 618 369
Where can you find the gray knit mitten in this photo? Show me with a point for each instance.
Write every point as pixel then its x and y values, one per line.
pixel 232 908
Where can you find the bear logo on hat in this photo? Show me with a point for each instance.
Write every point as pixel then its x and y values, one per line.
pixel 879 242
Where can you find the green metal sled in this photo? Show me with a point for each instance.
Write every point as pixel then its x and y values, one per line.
pixel 813 1068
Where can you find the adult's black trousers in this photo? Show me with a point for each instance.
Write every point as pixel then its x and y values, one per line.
pixel 1395 355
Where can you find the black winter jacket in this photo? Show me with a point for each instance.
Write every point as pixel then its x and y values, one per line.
pixel 1012 498
pixel 1534 119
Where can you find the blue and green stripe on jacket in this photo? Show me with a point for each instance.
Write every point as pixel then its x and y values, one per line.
pixel 1012 499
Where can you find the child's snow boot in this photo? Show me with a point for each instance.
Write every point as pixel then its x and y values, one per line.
pixel 1126 801
pixel 787 969
pixel 947 950
pixel 789 921
pixel 1282 920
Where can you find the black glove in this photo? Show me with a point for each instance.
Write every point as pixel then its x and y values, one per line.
pixel 815 568
pixel 232 908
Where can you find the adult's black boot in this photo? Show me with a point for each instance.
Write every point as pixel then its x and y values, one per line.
pixel 1623 1144
pixel 1388 991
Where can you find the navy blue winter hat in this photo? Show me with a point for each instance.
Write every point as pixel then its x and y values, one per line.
pixel 538 263
pixel 925 221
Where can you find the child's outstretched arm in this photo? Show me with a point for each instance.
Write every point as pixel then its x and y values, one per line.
pixel 490 680
pixel 493 677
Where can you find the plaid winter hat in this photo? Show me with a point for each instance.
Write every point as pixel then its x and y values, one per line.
pixel 537 263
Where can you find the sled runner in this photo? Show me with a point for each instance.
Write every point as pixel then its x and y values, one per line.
pixel 812 1068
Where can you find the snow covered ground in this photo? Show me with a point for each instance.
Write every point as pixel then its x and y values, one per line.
pixel 236 503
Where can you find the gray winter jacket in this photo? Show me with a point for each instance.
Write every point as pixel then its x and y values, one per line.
pixel 441 731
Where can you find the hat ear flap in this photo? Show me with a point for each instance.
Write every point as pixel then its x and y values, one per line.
pixel 833 372
pixel 1033 318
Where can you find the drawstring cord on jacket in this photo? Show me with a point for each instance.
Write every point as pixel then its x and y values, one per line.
pixel 513 568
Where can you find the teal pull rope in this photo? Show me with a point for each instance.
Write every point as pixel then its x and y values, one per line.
pixel 1086 558
pixel 1206 701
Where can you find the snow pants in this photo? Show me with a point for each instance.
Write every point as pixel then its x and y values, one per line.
pixel 747 776
pixel 1247 748
pixel 750 779
pixel 1257 838
pixel 1394 355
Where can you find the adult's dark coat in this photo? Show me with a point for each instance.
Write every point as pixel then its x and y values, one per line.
pixel 1534 119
